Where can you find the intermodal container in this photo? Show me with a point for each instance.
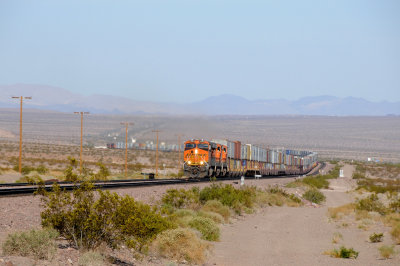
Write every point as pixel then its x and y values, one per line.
pixel 237 154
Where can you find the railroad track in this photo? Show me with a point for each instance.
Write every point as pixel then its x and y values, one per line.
pixel 10 189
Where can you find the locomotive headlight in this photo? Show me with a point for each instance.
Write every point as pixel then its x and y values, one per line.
pixel 196 151
pixel 189 162
pixel 201 162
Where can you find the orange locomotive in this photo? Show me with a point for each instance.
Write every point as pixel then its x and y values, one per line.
pixel 204 158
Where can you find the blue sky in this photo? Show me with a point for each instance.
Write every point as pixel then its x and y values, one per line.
pixel 188 50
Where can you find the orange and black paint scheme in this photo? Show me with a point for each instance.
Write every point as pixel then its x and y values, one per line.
pixel 204 159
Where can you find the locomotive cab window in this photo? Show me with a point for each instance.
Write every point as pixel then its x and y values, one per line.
pixel 203 146
pixel 219 148
pixel 189 146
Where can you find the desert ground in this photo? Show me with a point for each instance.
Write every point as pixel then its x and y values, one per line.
pixel 270 236
pixel 298 236
pixel 355 138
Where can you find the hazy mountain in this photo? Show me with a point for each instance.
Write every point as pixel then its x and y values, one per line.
pixel 59 99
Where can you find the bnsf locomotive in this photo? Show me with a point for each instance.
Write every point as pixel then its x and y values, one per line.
pixel 221 158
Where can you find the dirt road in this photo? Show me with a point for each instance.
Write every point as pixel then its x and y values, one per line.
pixel 296 236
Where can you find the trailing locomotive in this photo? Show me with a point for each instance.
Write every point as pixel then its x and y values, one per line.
pixel 221 158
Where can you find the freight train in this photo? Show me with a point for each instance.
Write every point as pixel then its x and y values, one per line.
pixel 221 158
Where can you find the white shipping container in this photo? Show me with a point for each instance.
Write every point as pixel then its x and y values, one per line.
pixel 243 153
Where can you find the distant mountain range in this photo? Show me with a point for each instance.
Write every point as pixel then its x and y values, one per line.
pixel 59 99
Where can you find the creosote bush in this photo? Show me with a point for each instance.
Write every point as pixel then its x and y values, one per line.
pixel 216 217
pixel 371 204
pixel 237 199
pixel 375 238
pixel 181 198
pixel 386 252
pixel 207 227
pixel 181 244
pixel 395 233
pixel 88 219
pixel 343 252
pixel 314 195
pixel 34 179
pixel 338 212
pixel 318 181
pixel 217 207
pixel 39 244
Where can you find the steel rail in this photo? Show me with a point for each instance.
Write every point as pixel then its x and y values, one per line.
pixel 26 188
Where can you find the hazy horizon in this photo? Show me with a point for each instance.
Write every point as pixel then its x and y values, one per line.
pixel 180 51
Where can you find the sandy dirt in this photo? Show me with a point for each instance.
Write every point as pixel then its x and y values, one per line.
pixel 23 213
pixel 296 236
pixel 271 236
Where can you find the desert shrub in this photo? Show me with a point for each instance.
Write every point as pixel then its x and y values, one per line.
pixel 35 179
pixel 395 232
pixel 386 251
pixel 361 169
pixel 217 207
pixel 379 185
pixel 184 212
pixel 229 196
pixel 207 227
pixel 139 221
pixel 87 221
pixel 276 196
pixel 337 212
pixel 343 252
pixel 180 198
pixel 91 258
pixel 269 199
pixel 337 237
pixel 314 195
pixel 180 244
pixel 135 167
pixel 70 175
pixel 216 217
pixel 318 181
pixel 321 181
pixel 375 238
pixel 371 204
pixel 103 172
pixel 358 175
pixel 25 170
pixel 70 172
pixel 181 217
pixel 39 244
pixel 391 219
pixel 283 194
pixel 294 184
pixel 41 169
pixel 394 205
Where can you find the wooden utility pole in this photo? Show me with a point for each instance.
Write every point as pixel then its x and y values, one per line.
pixel 20 131
pixel 80 160
pixel 179 149
pixel 156 131
pixel 126 124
